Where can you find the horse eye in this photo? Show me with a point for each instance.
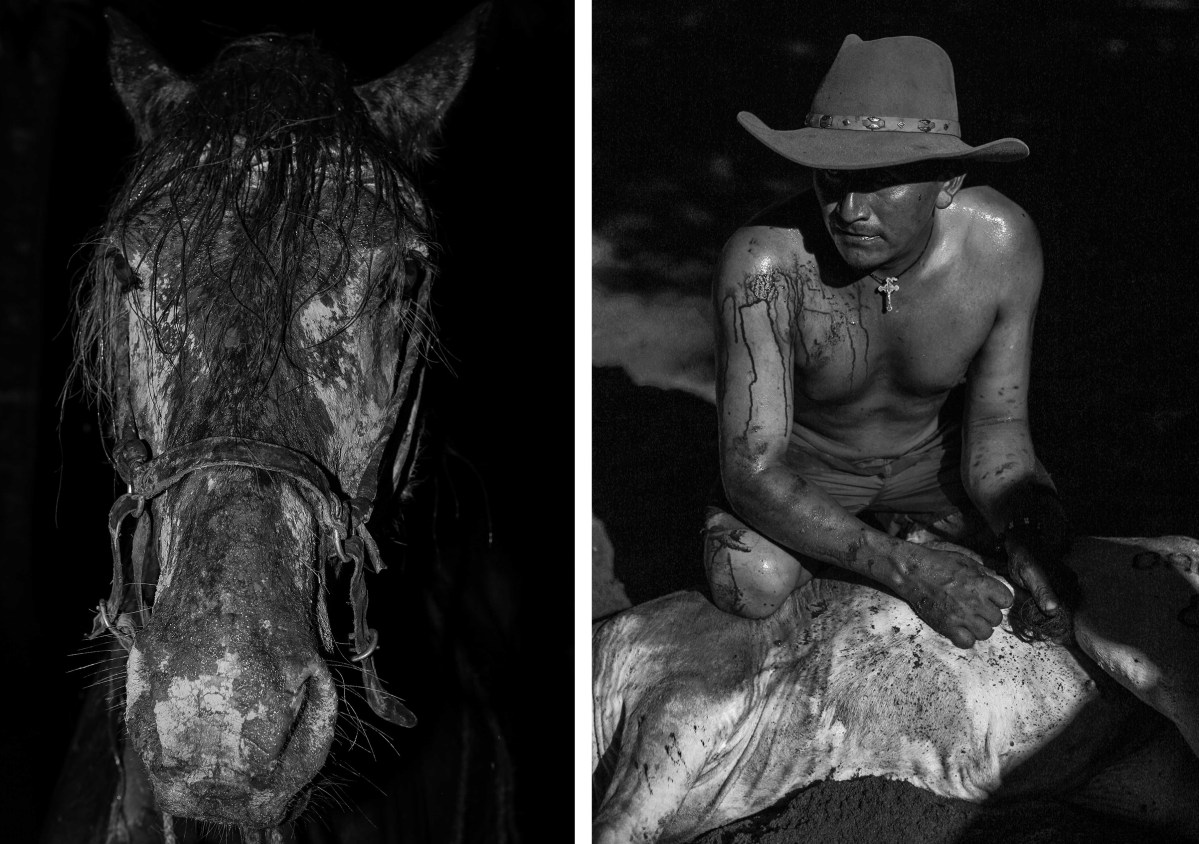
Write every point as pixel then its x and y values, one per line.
pixel 124 275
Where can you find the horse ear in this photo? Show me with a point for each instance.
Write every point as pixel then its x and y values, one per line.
pixel 147 85
pixel 409 103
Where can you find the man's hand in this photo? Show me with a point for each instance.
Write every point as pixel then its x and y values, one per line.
pixel 1037 540
pixel 954 594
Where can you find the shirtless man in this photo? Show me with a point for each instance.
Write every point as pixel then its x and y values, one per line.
pixel 873 346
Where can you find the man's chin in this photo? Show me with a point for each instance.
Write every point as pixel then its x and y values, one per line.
pixel 861 257
pixel 859 265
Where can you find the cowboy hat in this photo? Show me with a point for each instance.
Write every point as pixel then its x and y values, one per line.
pixel 883 103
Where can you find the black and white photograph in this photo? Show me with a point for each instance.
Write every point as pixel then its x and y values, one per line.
pixel 893 423
pixel 887 466
pixel 287 395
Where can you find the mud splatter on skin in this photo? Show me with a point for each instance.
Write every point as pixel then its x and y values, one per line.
pixel 859 556
pixel 828 321
pixel 807 317
pixel 722 574
pixel 731 539
pixel 762 288
pixel 757 289
pixel 750 453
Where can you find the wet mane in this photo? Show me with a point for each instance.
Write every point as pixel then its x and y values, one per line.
pixel 252 197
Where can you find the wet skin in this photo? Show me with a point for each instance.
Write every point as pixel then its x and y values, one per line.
pixel 803 340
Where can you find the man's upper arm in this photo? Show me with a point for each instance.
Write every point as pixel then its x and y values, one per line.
pixel 754 297
pixel 999 374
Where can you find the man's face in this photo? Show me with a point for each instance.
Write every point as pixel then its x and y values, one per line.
pixel 877 216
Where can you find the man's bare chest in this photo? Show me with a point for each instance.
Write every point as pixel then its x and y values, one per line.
pixel 847 347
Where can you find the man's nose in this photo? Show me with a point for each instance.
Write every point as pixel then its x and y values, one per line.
pixel 852 207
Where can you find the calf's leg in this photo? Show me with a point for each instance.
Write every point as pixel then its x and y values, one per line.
pixel 663 747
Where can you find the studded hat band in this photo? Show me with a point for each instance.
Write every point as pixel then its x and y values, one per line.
pixel 870 123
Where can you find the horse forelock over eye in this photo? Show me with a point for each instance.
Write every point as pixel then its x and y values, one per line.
pixel 122 274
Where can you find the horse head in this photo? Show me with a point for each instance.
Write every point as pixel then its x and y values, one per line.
pixel 255 329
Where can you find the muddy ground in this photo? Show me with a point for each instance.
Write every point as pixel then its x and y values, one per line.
pixel 1110 183
pixel 888 812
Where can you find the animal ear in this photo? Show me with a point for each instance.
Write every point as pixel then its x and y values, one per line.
pixel 147 85
pixel 409 103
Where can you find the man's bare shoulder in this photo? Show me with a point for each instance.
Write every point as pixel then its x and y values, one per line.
pixel 781 239
pixel 1003 238
pixel 996 220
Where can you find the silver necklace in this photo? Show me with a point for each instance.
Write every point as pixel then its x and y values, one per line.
pixel 890 284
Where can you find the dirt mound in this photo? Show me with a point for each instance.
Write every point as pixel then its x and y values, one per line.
pixel 881 811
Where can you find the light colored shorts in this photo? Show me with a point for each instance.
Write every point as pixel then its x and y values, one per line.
pixel 922 486
pixel 920 491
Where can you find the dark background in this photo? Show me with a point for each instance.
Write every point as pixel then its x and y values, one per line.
pixel 1104 94
pixel 502 190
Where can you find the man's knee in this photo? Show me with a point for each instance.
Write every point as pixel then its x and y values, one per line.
pixel 748 575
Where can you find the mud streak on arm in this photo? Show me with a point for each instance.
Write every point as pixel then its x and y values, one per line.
pixel 819 302
pixel 766 288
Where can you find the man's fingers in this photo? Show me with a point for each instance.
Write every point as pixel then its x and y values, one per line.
pixel 961 637
pixel 990 612
pixel 1036 583
pixel 998 592
pixel 980 629
pixel 1046 600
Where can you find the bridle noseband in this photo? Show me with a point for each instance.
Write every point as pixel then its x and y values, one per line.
pixel 344 537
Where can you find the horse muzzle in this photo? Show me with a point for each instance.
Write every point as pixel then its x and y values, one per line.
pixel 231 739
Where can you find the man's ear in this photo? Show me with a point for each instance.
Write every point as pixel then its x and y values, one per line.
pixel 949 187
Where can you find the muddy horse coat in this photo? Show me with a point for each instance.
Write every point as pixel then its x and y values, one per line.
pixel 255 330
pixel 702 718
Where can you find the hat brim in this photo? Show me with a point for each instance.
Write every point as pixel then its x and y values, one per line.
pixel 843 149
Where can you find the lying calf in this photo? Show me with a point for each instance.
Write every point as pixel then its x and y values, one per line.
pixel 702 718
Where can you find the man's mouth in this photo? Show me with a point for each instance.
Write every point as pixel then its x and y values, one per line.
pixel 853 235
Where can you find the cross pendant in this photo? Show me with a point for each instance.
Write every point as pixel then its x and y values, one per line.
pixel 887 288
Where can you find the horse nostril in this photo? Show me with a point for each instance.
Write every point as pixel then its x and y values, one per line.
pixel 300 700
pixel 311 692
pixel 307 684
pixel 300 697
pixel 313 712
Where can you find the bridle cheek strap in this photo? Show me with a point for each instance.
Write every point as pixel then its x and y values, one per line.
pixel 344 538
pixel 110 617
pixel 366 639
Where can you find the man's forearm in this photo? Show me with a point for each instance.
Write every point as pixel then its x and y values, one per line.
pixel 999 467
pixel 799 515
